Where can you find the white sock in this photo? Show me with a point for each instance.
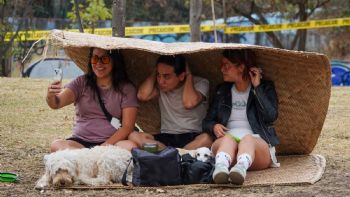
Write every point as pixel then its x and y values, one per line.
pixel 244 160
pixel 223 158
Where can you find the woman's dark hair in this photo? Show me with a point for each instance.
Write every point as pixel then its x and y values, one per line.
pixel 178 62
pixel 119 75
pixel 241 56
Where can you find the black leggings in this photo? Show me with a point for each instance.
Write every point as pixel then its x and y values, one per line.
pixel 85 143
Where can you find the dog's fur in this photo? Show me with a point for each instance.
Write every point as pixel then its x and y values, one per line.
pixel 97 166
pixel 203 154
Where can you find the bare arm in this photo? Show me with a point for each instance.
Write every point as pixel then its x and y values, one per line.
pixel 148 90
pixel 128 124
pixel 57 98
pixel 190 97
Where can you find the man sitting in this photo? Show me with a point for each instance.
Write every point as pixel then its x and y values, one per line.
pixel 183 102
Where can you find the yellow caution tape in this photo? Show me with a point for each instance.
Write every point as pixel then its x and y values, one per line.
pixel 178 29
pixel 312 24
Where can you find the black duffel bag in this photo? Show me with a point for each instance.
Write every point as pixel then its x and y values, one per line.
pixel 156 169
pixel 195 172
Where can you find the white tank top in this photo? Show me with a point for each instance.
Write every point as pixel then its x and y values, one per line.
pixel 238 117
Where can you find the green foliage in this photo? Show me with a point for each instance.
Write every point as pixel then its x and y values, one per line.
pixel 90 13
pixel 170 11
pixel 346 12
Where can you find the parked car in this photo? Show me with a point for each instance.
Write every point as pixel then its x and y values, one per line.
pixel 340 73
pixel 46 68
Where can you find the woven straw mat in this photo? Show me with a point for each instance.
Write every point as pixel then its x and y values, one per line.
pixel 294 170
pixel 302 79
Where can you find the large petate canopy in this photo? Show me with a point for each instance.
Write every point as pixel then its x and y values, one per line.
pixel 302 79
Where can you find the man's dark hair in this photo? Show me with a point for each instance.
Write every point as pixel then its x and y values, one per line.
pixel 178 62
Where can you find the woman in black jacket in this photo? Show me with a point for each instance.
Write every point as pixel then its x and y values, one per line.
pixel 240 118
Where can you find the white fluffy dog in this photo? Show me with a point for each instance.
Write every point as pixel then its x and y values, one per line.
pixel 97 166
pixel 203 154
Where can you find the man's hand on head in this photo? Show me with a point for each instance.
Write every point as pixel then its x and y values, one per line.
pixel 188 70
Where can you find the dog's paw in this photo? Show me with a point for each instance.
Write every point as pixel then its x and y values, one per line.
pixel 41 184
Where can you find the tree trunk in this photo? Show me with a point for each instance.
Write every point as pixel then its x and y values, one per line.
pixel 57 8
pixel 77 14
pixel 214 20
pixel 224 36
pixel 118 18
pixel 195 22
pixel 257 38
pixel 303 32
pixel 6 46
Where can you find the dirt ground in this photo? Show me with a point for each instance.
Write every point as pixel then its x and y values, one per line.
pixel 28 125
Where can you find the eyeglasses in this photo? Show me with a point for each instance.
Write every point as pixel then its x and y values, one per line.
pixel 105 59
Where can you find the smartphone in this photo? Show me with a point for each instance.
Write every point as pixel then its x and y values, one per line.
pixel 58 74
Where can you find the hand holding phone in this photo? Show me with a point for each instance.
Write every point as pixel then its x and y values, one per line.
pixel 58 74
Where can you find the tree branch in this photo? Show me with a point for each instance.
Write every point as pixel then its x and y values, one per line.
pixel 295 39
pixel 262 20
pixel 319 4
pixel 77 14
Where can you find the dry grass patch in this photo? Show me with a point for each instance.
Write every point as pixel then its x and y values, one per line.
pixel 28 125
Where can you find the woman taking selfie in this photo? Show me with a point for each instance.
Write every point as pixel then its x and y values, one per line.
pixel 105 85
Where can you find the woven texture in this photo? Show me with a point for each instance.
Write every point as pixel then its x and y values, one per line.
pixel 302 79
pixel 294 170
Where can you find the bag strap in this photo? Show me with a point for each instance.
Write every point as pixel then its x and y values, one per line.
pixel 107 114
pixel 124 174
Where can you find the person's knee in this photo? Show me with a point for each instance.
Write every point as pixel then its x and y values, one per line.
pixel 56 145
pixel 206 140
pixel 248 139
pixel 206 137
pixel 218 142
pixel 126 144
pixel 134 136
pixel 139 138
pixel 227 139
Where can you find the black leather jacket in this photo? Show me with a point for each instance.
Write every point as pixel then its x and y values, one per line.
pixel 262 110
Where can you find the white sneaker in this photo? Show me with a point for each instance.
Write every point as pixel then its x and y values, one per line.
pixel 237 175
pixel 220 174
